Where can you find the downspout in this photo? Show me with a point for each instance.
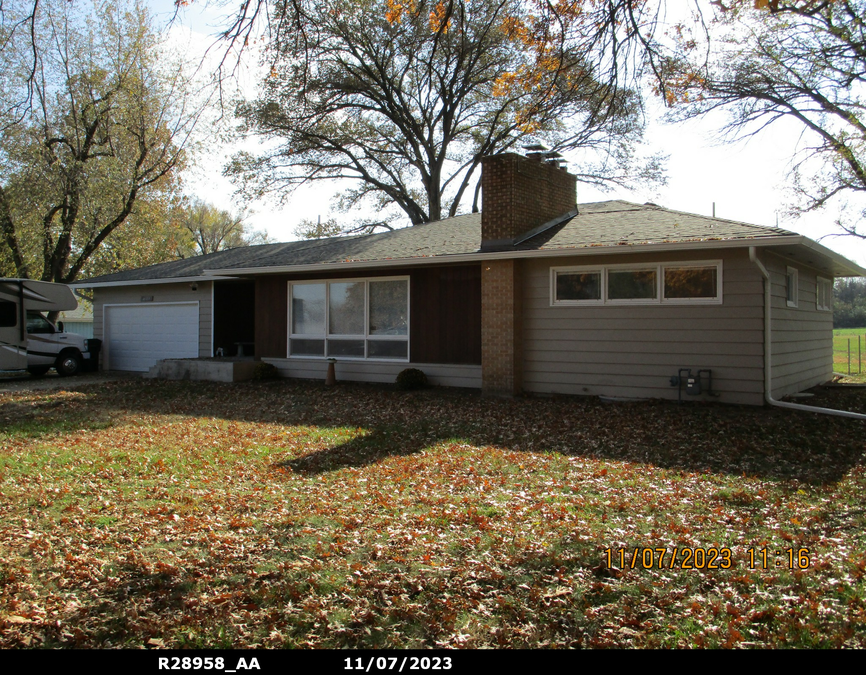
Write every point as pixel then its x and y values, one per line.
pixel 768 378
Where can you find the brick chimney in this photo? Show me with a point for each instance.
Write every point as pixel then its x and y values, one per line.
pixel 519 194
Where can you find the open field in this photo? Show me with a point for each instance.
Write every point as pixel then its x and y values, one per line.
pixel 841 337
pixel 285 514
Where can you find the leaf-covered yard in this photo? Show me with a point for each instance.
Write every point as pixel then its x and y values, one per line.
pixel 285 514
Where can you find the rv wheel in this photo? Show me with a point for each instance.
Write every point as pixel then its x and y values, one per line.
pixel 37 371
pixel 68 363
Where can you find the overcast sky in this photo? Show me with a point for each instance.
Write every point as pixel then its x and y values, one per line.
pixel 746 180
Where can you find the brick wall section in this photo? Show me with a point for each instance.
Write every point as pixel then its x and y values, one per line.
pixel 519 194
pixel 501 328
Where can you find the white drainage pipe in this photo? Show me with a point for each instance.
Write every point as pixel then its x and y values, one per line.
pixel 768 395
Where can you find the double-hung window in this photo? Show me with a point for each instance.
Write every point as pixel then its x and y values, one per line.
pixel 350 319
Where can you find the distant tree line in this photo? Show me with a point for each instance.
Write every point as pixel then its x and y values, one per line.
pixel 849 303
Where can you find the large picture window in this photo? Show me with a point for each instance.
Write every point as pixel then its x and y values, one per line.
pixel 663 283
pixel 352 318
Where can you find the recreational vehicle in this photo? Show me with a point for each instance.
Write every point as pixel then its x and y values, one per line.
pixel 29 340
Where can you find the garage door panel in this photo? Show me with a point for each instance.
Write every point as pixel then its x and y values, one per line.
pixel 140 335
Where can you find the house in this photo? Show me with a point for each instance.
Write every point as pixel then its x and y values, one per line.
pixel 79 320
pixel 535 294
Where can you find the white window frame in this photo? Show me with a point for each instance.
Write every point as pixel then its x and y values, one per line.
pixel 792 299
pixel 824 287
pixel 692 301
pixel 597 269
pixel 366 337
pixel 631 268
pixel 658 268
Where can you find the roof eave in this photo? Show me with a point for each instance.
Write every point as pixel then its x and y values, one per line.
pixel 507 255
pixel 143 282
pixel 840 262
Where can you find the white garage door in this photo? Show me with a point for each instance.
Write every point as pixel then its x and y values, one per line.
pixel 138 336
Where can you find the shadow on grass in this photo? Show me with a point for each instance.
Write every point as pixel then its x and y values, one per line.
pixel 737 440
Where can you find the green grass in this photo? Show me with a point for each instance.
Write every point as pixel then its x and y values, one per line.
pixel 290 515
pixel 841 337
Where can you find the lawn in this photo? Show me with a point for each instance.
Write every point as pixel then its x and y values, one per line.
pixel 842 337
pixel 285 514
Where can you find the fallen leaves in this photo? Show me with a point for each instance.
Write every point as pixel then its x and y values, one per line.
pixel 282 514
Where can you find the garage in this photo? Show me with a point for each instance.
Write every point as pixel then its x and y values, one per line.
pixel 137 336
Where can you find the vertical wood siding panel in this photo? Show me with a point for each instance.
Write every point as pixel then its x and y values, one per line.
pixel 272 310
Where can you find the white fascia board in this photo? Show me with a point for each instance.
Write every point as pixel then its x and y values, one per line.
pixel 147 282
pixel 711 244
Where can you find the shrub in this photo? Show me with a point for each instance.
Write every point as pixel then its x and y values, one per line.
pixel 411 378
pixel 265 371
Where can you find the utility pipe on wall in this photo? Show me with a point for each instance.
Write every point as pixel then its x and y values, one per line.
pixel 768 379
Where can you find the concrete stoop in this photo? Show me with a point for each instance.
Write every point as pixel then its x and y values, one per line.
pixel 198 369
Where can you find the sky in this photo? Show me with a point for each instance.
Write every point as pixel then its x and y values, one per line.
pixel 746 180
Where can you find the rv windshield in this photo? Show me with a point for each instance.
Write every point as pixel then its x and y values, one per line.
pixel 36 323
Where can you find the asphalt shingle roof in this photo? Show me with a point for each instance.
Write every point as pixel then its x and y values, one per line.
pixel 624 223
pixel 608 223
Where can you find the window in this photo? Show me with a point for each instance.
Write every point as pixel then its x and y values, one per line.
pixel 353 319
pixel 631 285
pixel 691 282
pixel 791 287
pixel 8 314
pixel 38 324
pixel 825 295
pixel 683 283
pixel 578 287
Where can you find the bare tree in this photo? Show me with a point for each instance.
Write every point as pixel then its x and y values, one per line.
pixel 405 98
pixel 800 61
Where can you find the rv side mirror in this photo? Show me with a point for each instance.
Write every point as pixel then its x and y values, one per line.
pixel 60 327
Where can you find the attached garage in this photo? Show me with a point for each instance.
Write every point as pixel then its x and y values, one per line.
pixel 137 336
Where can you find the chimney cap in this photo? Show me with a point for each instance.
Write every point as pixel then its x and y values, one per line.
pixel 542 154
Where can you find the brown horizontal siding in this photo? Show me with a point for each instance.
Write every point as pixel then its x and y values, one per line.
pixel 802 336
pixel 632 351
pixel 642 361
pixel 645 350
pixel 650 324
pixel 656 313
pixel 632 334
